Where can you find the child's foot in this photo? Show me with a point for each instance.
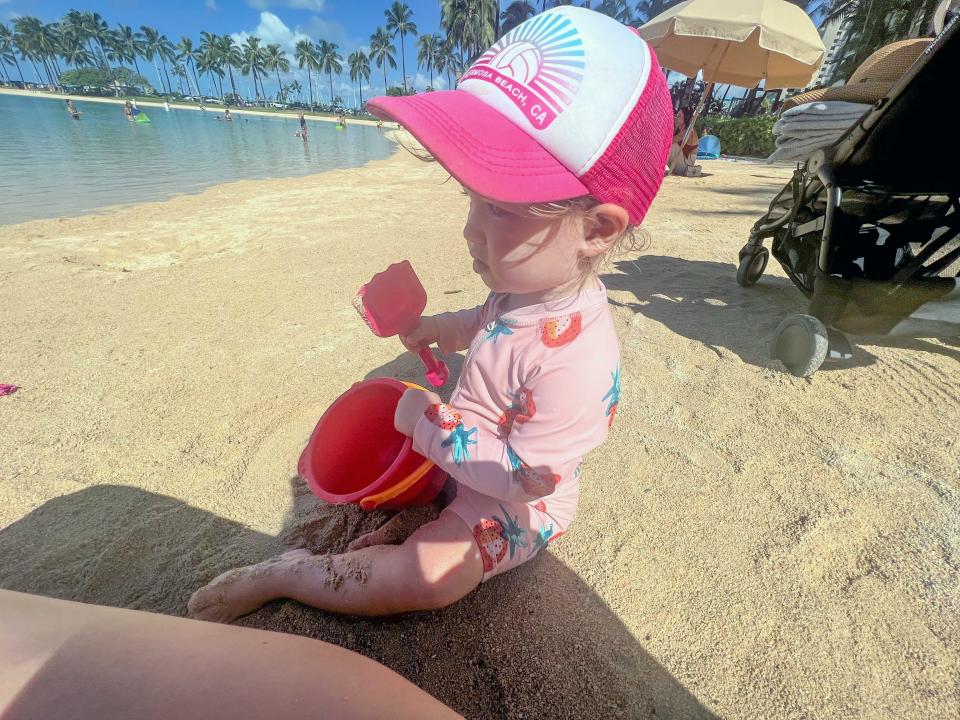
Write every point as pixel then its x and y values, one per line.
pixel 238 592
pixel 396 529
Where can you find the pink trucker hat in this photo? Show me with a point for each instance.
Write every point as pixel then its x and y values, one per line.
pixel 569 103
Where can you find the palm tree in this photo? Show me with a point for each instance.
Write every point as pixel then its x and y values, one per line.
pixel 73 51
pixel 26 38
pixel 447 61
pixel 516 13
pixel 471 24
pixel 330 62
pixel 429 50
pixel 96 28
pixel 153 43
pixel 382 52
pixel 276 59
pixel 359 70
pixel 306 56
pixel 131 43
pixel 875 24
pixel 254 61
pixel 209 64
pixel 649 9
pixel 6 49
pixel 186 52
pixel 400 20
pixel 617 9
pixel 228 56
pixel 295 87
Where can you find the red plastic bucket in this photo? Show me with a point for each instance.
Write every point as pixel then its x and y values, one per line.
pixel 356 455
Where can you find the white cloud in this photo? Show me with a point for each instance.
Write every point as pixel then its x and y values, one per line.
pixel 4 2
pixel 421 81
pixel 273 30
pixel 211 5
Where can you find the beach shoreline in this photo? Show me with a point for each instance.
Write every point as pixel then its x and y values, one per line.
pixel 748 544
pixel 179 106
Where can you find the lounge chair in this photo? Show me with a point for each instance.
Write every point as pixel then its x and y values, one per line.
pixel 868 227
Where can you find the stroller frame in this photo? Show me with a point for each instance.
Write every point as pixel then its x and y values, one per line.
pixel 864 235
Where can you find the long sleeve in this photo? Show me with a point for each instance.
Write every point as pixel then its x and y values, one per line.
pixel 520 454
pixel 456 329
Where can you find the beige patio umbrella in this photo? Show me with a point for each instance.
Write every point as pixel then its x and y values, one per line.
pixel 739 42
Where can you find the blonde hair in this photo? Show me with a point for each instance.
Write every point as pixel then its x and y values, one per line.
pixel 633 239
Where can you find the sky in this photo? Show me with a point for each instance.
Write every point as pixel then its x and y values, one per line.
pixel 345 22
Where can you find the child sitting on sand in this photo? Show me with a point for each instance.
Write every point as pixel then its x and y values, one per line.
pixel 560 161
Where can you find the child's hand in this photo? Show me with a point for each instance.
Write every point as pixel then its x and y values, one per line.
pixel 411 407
pixel 426 333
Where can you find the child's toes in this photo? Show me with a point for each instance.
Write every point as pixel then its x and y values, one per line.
pixel 374 537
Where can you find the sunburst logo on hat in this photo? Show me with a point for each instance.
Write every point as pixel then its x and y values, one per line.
pixel 538 65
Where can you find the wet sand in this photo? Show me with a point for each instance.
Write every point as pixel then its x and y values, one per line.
pixel 748 544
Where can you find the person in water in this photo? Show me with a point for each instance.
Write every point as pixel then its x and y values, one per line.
pixel 227 116
pixel 303 126
pixel 72 110
pixel 128 110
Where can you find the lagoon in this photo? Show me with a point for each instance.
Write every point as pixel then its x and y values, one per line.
pixel 52 165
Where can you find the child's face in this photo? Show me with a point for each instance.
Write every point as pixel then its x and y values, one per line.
pixel 518 252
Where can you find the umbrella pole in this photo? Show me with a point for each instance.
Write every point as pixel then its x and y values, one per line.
pixel 696 113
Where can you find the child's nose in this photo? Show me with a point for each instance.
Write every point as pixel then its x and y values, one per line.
pixel 473 232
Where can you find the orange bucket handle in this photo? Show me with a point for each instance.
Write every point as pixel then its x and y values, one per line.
pixel 372 501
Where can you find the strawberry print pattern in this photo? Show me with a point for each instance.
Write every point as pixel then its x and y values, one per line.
pixel 533 483
pixel 443 416
pixel 559 331
pixel 460 439
pixel 522 410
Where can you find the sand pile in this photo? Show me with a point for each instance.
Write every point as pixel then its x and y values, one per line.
pixel 749 544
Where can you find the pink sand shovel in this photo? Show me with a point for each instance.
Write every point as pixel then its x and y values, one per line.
pixel 391 304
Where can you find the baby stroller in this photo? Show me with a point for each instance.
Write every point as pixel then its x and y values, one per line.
pixel 868 228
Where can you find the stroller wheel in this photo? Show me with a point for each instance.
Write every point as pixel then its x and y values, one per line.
pixel 752 267
pixel 801 343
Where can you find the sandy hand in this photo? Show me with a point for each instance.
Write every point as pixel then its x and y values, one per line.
pixel 426 333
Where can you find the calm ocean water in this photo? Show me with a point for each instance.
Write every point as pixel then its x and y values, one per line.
pixel 52 165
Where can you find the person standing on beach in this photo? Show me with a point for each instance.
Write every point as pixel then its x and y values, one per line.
pixel 554 186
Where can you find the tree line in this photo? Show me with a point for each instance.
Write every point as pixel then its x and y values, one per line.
pixel 84 40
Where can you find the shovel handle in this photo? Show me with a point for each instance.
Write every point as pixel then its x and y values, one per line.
pixel 437 372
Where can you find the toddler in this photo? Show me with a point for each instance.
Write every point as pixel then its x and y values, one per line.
pixel 559 134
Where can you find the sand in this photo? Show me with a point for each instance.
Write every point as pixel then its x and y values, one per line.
pixel 748 545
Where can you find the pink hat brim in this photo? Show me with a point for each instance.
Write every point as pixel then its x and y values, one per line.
pixel 481 148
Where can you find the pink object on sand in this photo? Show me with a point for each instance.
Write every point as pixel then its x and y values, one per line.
pixel 391 304
pixel 7 389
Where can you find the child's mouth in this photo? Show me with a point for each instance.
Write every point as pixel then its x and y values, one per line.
pixel 479 266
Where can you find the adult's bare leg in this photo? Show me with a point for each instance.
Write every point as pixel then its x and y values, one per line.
pixel 63 659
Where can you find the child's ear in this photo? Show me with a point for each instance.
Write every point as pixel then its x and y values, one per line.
pixel 603 225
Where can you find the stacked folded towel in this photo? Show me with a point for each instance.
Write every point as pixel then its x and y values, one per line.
pixel 804 129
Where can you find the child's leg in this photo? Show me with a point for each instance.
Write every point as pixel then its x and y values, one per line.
pixel 436 566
